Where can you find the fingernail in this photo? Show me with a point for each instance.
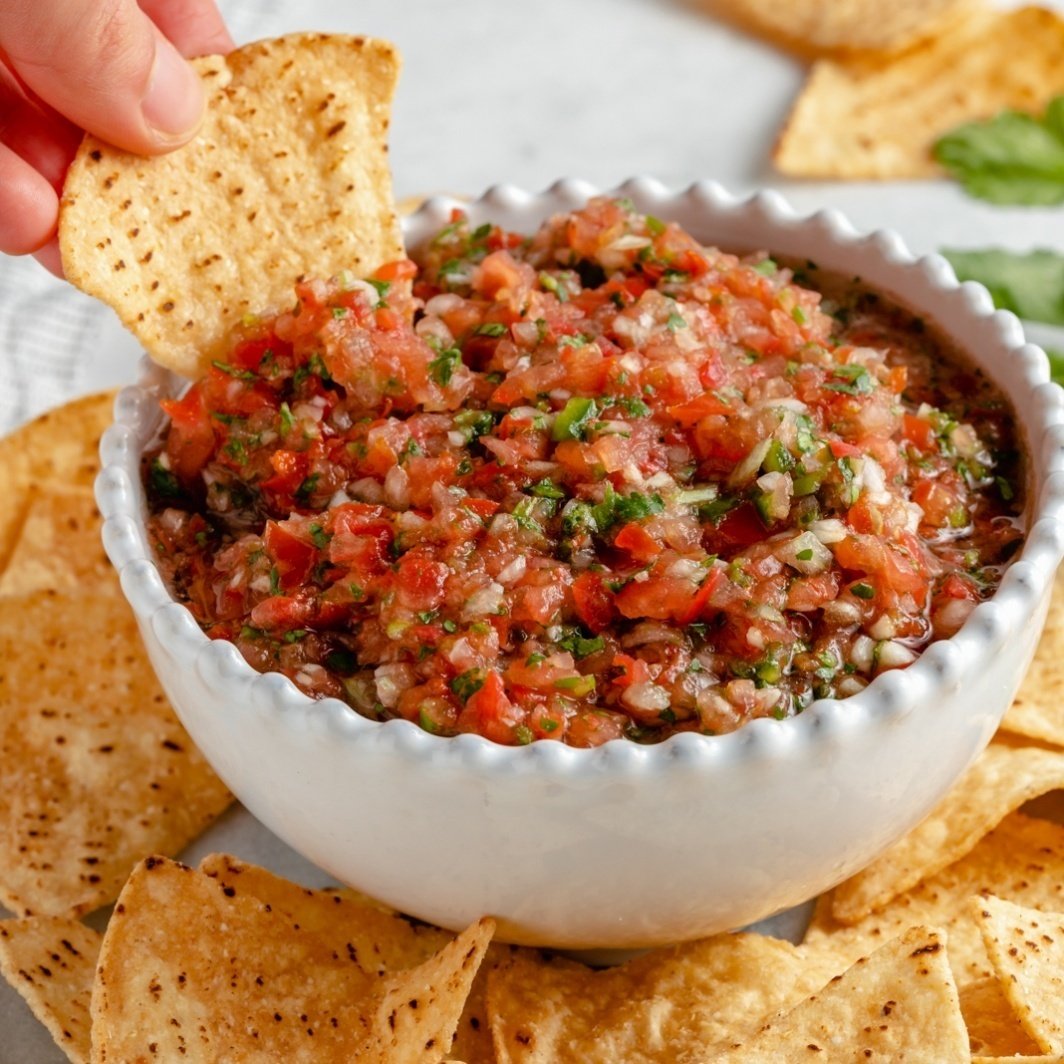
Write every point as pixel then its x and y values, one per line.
pixel 173 103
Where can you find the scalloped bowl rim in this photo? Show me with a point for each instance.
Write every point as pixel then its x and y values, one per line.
pixel 890 695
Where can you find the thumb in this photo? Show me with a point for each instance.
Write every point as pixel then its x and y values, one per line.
pixel 105 66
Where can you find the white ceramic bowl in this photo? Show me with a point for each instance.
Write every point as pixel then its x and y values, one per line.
pixel 623 845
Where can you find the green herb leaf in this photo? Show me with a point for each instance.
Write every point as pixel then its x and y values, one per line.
pixel 1031 285
pixel 466 684
pixel 852 380
pixel 163 482
pixel 491 328
pixel 570 422
pixel 1013 158
pixel 443 366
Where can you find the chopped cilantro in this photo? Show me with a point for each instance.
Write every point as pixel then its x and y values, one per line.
pixel 443 366
pixel 579 645
pixel 655 226
pixel 339 312
pixel 239 374
pixel 466 684
pixel 546 489
pixel 163 482
pixel 852 380
pixel 287 420
pixel 318 536
pixel 491 328
pixel 307 488
pixel 1013 158
pixel 676 321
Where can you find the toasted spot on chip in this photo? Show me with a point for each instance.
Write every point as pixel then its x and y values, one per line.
pixel 61 447
pixel 50 961
pixel 1026 949
pixel 899 1004
pixel 59 543
pixel 878 116
pixel 244 981
pixel 270 189
pixel 812 25
pixel 1003 777
pixel 88 783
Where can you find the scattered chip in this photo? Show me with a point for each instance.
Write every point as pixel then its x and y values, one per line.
pixel 1026 948
pixel 1038 711
pixel 1001 780
pixel 879 116
pixel 50 961
pixel 384 940
pixel 898 1004
pixel 60 447
pixel 288 177
pixel 192 968
pixel 97 770
pixel 993 1029
pixel 812 25
pixel 666 1005
pixel 1022 860
pixel 59 545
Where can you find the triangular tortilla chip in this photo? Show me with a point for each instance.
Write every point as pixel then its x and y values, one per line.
pixel 60 446
pixel 667 1005
pixel 58 545
pixel 813 25
pixel 1022 860
pixel 1001 780
pixel 383 940
pixel 287 178
pixel 192 969
pixel 993 1028
pixel 50 961
pixel 899 1004
pixel 1026 948
pixel 880 115
pixel 1038 711
pixel 97 770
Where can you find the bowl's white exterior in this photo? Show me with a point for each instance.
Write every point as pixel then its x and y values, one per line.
pixel 621 846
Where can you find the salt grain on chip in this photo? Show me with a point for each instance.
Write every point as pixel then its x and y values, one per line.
pixel 288 177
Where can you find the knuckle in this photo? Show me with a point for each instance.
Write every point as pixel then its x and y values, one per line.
pixel 112 40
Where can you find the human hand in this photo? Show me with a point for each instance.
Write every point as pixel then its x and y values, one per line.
pixel 111 67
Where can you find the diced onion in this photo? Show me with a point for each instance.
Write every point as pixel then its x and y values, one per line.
pixel 830 530
pixel 646 696
pixel 862 653
pixel 805 553
pixel 893 655
pixel 745 471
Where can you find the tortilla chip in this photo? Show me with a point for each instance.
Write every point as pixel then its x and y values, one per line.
pixel 1022 860
pixel 50 961
pixel 812 25
pixel 879 116
pixel 194 969
pixel 383 940
pixel 667 1005
pixel 59 544
pixel 287 178
pixel 993 1029
pixel 898 1004
pixel 1001 780
pixel 60 446
pixel 97 770
pixel 1038 711
pixel 1026 948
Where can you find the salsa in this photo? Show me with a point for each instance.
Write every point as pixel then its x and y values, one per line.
pixel 592 483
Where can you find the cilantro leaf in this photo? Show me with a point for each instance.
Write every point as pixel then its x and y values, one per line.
pixel 1031 285
pixel 1012 158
